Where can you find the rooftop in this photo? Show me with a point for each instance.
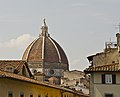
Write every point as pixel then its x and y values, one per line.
pixel 4 74
pixel 104 68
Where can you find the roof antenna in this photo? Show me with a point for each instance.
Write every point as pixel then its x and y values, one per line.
pixel 110 40
pixel 118 27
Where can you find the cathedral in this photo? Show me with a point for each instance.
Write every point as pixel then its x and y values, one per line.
pixel 46 58
pixel 40 72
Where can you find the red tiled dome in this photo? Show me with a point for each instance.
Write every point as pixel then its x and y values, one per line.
pixel 46 49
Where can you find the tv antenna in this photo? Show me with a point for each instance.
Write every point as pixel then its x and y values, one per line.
pixel 118 27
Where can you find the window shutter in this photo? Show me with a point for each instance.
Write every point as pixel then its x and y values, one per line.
pixel 113 78
pixel 103 78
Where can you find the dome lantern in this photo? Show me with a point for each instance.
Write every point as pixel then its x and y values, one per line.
pixel 44 29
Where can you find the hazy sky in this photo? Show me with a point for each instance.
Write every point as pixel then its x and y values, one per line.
pixel 81 27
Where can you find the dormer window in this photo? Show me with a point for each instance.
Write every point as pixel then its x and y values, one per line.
pixel 9 69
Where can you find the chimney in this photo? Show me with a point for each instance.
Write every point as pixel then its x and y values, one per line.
pixel 118 46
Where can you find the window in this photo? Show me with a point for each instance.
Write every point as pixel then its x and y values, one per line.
pixel 21 94
pixel 9 69
pixel 39 96
pixel 46 95
pixel 108 95
pixel 113 61
pixel 10 94
pixel 31 95
pixel 108 78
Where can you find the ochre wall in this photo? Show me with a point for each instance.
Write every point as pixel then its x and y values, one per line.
pixel 17 87
pixel 27 88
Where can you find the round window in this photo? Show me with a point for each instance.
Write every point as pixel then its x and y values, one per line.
pixel 51 71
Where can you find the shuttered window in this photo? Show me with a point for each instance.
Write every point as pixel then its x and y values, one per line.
pixel 108 79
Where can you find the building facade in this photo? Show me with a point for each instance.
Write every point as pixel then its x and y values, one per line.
pixel 105 71
pixel 76 80
pixel 14 85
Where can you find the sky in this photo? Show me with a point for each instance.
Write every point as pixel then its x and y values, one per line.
pixel 81 27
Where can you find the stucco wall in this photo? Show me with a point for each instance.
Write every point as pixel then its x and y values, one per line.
pixel 97 77
pixel 16 87
pixel 97 89
pixel 106 58
pixel 71 75
pixel 27 88
pixel 101 90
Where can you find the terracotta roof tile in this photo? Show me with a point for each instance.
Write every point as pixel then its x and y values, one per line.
pixel 16 64
pixel 111 67
pixel 52 51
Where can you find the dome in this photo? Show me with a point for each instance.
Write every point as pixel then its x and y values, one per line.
pixel 45 49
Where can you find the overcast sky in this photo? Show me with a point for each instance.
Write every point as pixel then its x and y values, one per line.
pixel 81 27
